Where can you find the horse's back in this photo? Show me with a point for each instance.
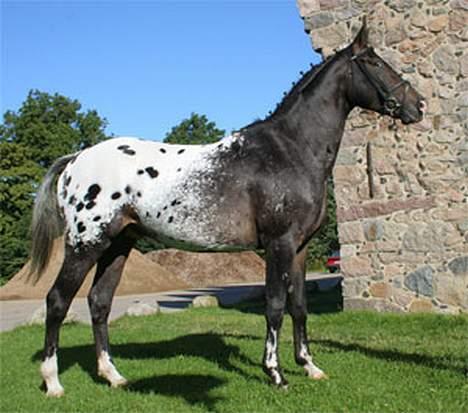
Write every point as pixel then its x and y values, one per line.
pixel 177 192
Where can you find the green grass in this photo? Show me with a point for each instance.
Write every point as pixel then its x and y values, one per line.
pixel 209 360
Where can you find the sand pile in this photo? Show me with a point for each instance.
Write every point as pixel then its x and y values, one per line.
pixel 203 269
pixel 141 275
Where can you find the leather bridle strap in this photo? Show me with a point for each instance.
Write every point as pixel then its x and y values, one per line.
pixel 391 104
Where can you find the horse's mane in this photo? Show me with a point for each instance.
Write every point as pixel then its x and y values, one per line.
pixel 298 87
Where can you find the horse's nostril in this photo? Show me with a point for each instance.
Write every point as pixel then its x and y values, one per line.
pixel 422 106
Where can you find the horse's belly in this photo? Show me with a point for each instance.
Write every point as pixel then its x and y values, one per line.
pixel 200 226
pixel 196 219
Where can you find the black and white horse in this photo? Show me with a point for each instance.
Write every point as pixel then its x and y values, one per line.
pixel 263 187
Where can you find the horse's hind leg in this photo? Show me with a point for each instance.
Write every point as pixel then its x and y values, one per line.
pixel 108 273
pixel 74 269
pixel 297 305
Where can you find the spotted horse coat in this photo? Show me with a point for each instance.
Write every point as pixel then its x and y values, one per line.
pixel 173 192
pixel 263 187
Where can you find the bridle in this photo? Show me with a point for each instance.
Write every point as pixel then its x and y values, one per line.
pixel 392 105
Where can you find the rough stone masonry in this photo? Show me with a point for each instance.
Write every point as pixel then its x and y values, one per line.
pixel 402 192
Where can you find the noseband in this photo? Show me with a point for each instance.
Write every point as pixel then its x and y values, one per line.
pixel 392 105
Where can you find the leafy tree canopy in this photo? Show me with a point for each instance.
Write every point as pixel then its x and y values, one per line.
pixel 44 128
pixel 197 129
pixel 326 239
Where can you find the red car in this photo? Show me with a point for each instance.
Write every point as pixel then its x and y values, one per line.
pixel 333 262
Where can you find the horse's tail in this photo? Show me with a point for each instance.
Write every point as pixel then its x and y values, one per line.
pixel 47 222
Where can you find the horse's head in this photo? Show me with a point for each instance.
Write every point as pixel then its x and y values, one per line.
pixel 376 86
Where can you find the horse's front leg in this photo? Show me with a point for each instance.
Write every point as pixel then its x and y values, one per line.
pixel 279 258
pixel 297 306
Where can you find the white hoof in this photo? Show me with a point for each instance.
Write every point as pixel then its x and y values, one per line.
pixel 49 373
pixel 57 391
pixel 121 382
pixel 107 370
pixel 314 372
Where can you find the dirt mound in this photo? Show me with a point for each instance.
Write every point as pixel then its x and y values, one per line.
pixel 203 269
pixel 141 275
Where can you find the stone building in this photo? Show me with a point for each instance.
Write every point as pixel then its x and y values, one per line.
pixel 402 191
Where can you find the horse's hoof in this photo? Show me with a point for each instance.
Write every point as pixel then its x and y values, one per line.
pixel 119 383
pixel 319 376
pixel 284 386
pixel 57 392
pixel 315 373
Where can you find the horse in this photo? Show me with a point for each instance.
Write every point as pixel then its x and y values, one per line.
pixel 264 187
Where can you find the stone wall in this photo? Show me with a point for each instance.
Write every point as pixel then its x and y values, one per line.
pixel 402 191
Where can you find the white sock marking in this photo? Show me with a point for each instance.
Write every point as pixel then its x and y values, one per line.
pixel 107 370
pixel 311 369
pixel 49 372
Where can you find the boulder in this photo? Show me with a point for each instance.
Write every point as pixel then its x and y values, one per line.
pixel 205 301
pixel 139 309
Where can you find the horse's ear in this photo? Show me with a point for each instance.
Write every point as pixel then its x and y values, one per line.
pixel 361 40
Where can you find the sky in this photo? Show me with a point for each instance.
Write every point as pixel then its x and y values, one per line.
pixel 147 65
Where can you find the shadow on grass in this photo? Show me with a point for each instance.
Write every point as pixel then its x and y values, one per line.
pixel 434 362
pixel 194 388
pixel 318 301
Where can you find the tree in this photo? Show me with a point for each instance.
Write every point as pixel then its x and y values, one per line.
pixel 194 130
pixel 326 239
pixel 44 128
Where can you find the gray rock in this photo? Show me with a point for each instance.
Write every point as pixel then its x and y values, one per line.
pixel 459 265
pixel 463 226
pixel 140 309
pixel 205 301
pixel 423 237
pixel 354 287
pixel 444 59
pixel 420 281
pixel 39 316
pixel 402 5
pixel 317 21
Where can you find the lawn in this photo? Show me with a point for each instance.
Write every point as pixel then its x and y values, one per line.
pixel 209 360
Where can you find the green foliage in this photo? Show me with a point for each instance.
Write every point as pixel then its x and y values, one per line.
pixel 43 129
pixel 326 239
pixel 194 130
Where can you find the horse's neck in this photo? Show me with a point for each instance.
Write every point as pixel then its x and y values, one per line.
pixel 317 119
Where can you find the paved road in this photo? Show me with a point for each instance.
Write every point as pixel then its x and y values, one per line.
pixel 17 312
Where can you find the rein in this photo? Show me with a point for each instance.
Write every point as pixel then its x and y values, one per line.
pixel 392 105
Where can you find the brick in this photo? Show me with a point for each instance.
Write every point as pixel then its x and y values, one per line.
pixel 380 290
pixel 419 305
pixel 438 24
pixel 380 208
pixel 357 267
pixel 350 233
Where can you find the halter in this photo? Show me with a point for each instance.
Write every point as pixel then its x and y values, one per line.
pixel 392 106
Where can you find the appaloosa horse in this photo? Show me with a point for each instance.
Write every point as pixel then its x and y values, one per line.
pixel 263 187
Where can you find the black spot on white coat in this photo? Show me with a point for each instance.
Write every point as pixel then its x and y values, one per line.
pixel 153 173
pixel 93 191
